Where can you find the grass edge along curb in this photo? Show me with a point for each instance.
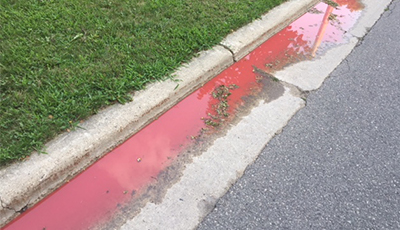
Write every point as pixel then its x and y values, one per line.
pixel 62 61
pixel 32 180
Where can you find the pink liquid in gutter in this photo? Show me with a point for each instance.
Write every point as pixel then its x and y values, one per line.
pixel 94 195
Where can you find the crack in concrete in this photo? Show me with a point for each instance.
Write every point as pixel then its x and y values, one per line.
pixel 386 13
pixel 347 64
pixel 4 206
pixel 227 48
pixel 361 39
pixel 389 9
pixel 23 209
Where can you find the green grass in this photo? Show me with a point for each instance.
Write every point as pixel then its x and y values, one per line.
pixel 63 60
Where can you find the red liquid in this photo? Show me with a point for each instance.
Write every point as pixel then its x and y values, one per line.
pixel 95 194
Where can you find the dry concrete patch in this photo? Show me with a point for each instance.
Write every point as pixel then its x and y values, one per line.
pixel 309 75
pixel 211 174
pixel 373 9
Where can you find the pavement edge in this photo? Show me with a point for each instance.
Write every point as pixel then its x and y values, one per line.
pixel 212 174
pixel 70 153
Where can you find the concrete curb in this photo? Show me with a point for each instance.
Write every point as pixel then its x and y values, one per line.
pixel 28 182
pixel 247 38
pixel 212 173
pixel 70 153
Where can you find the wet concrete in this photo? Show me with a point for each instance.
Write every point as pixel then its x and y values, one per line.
pixel 123 174
pixel 129 173
pixel 336 164
pixel 311 35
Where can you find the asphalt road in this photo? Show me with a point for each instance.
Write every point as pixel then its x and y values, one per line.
pixel 336 165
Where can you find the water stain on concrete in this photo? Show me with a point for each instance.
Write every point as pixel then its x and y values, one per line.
pixel 143 168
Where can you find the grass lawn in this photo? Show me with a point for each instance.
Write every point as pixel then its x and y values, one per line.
pixel 63 60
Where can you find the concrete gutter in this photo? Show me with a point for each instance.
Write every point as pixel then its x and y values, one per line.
pixel 309 75
pixel 210 175
pixel 26 183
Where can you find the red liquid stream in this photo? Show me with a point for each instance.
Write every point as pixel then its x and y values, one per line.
pixel 94 195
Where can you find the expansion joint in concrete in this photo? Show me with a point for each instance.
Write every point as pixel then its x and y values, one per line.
pixel 227 48
pixel 298 91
